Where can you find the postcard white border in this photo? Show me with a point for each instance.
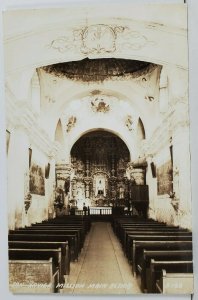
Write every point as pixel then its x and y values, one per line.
pixel 193 98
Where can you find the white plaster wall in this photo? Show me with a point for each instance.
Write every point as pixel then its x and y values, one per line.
pixel 18 163
pixel 37 37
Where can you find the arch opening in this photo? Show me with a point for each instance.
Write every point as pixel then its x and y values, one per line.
pixel 99 159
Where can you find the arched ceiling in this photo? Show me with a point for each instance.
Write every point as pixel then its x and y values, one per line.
pixel 43 37
pixel 87 144
pixel 91 70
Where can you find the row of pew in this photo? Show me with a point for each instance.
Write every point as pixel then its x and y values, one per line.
pixel 160 255
pixel 40 255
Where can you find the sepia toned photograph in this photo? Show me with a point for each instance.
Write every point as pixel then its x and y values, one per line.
pixel 98 150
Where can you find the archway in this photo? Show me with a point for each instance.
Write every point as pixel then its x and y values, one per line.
pixel 99 159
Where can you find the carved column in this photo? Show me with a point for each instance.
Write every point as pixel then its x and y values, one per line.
pixel 63 172
pixel 87 181
pixel 113 181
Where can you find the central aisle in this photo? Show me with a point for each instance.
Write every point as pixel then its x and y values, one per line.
pixel 102 267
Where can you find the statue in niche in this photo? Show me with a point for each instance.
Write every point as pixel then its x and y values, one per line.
pixel 67 185
pixel 121 192
pixel 121 163
pixel 100 186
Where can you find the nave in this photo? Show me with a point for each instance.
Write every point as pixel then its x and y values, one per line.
pixel 102 267
pixel 75 255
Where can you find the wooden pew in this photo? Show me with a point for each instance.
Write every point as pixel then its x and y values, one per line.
pixel 71 239
pixel 143 263
pixel 63 227
pixel 150 231
pixel 156 268
pixel 123 230
pixel 33 276
pixel 144 222
pixel 49 230
pixel 175 283
pixel 65 255
pixel 84 220
pixel 151 238
pixel 39 254
pixel 58 226
pixel 140 245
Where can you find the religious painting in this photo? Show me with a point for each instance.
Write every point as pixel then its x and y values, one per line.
pixel 165 179
pixel 37 180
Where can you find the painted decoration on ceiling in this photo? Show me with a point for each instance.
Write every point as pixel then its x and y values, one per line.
pixel 37 180
pixel 165 179
pixel 100 39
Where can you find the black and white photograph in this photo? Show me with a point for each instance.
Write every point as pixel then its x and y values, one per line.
pixel 98 158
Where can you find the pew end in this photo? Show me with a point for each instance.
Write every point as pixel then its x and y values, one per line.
pixel 175 283
pixel 33 276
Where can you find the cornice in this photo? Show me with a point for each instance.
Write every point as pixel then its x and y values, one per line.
pixel 19 114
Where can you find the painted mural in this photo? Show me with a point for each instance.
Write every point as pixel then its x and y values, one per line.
pixel 37 180
pixel 165 179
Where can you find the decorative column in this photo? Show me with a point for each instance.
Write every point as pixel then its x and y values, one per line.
pixel 87 181
pixel 113 181
pixel 63 172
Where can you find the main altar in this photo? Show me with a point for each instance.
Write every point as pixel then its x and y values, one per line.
pixel 99 162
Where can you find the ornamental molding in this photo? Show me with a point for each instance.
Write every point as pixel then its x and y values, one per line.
pixel 20 116
pixel 101 39
pixel 63 170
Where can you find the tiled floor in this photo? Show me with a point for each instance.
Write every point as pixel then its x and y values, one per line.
pixel 102 267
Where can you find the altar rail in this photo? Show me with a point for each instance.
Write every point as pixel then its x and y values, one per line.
pixel 100 210
pixel 96 211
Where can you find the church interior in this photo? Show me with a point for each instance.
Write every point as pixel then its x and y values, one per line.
pixel 98 149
